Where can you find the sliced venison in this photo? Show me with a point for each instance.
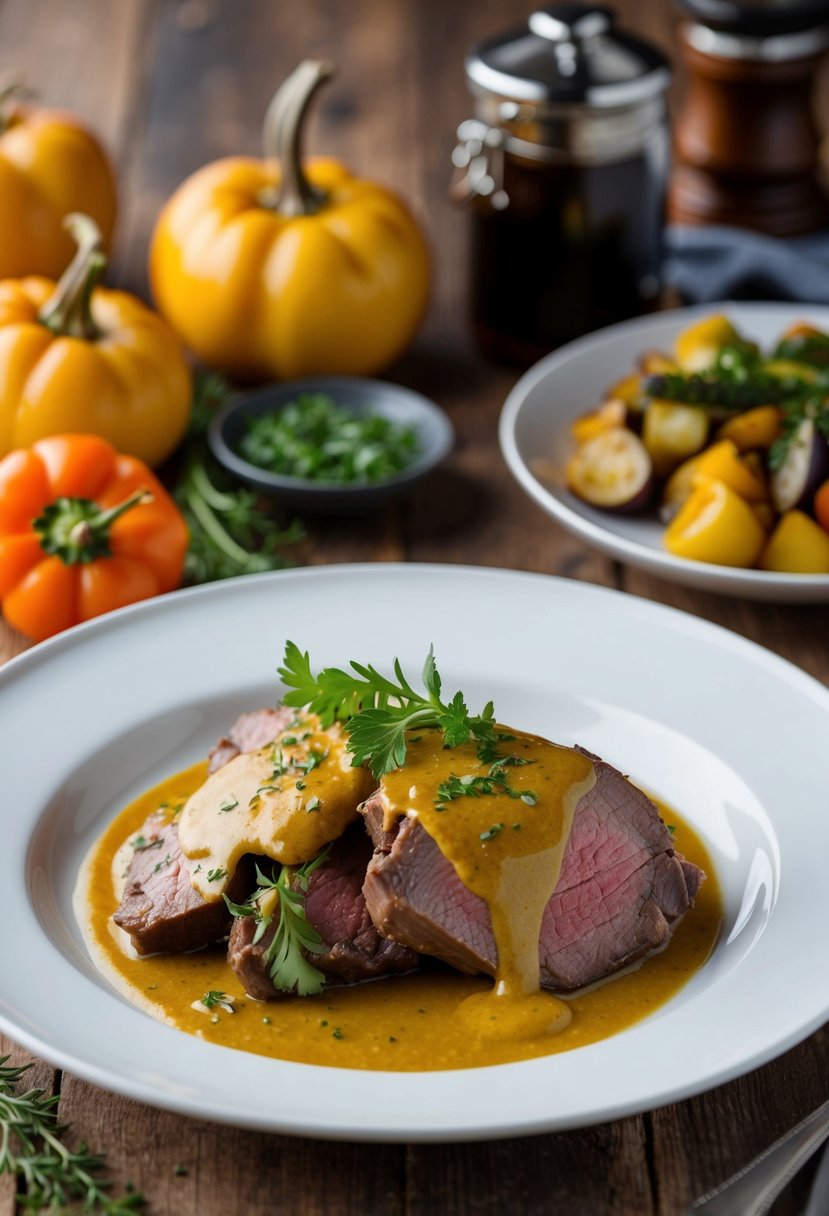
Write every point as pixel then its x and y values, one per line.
pixel 250 732
pixel 336 908
pixel 621 891
pixel 160 909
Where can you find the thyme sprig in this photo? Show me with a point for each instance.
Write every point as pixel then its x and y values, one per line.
pixel 378 711
pixel 230 532
pixel 294 936
pixel 32 1150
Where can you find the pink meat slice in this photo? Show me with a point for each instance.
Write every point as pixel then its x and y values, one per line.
pixel 621 892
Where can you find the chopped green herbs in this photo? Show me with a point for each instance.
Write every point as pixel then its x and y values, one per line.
pixel 294 937
pixel 378 711
pixel 218 1000
pixel 313 804
pixel 230 804
pixel 141 844
pixel 490 833
pixel 162 865
pixel 492 784
pixel 215 875
pixel 33 1152
pixel 315 439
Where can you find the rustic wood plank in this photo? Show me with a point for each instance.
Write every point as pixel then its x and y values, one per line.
pixel 78 56
pixel 184 1166
pixel 600 1171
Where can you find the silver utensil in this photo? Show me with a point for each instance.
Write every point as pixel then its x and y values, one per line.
pixel 818 1204
pixel 754 1188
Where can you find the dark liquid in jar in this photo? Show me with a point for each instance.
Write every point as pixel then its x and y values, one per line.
pixel 578 247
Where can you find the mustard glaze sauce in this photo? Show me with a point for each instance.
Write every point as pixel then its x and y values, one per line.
pixel 504 827
pixel 410 1023
pixel 285 801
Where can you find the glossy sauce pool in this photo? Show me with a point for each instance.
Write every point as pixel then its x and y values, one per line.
pixel 410 1023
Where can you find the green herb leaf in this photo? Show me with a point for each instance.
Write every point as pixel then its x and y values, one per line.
pixel 294 937
pixel 378 711
pixel 32 1150
pixel 218 1000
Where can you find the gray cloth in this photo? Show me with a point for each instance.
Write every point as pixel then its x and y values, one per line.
pixel 712 263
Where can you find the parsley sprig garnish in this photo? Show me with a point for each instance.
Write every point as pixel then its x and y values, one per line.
pixel 218 1000
pixel 32 1150
pixel 378 712
pixel 294 936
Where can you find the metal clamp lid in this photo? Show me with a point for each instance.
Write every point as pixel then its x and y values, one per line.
pixel 569 55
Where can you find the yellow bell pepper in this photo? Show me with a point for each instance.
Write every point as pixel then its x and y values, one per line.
pixel 697 346
pixel 279 268
pixel 752 429
pixel 720 462
pixel 797 546
pixel 79 358
pixel 49 166
pixel 716 525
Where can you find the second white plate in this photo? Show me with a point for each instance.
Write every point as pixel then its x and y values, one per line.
pixel 535 440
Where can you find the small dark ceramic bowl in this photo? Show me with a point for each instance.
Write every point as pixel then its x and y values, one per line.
pixel 399 405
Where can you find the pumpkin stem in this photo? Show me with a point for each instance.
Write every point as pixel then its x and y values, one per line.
pixel 67 311
pixel 12 90
pixel 282 136
pixel 76 529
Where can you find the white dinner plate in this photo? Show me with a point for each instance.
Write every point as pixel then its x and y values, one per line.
pixel 536 442
pixel 730 735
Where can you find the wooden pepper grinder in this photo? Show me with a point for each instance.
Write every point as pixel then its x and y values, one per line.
pixel 747 144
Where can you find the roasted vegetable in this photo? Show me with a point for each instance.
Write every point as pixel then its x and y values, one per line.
pixel 76 357
pixel 716 525
pixel 671 433
pixel 797 546
pixel 822 506
pixel 605 417
pixel 804 467
pixel 612 471
pixel 50 165
pixel 755 428
pixel 83 530
pixel 282 268
pixel 698 347
pixel 804 344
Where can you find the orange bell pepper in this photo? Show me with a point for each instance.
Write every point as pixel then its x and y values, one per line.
pixel 283 268
pixel 49 166
pixel 83 530
pixel 77 359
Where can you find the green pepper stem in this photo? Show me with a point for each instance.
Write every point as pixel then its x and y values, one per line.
pixel 12 90
pixel 76 529
pixel 67 312
pixel 282 136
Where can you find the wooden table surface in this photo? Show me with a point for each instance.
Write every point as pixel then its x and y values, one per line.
pixel 170 86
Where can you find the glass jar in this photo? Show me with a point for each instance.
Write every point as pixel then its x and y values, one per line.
pixel 563 170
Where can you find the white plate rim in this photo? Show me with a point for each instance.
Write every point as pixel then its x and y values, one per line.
pixel 395 1127
pixel 759 584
